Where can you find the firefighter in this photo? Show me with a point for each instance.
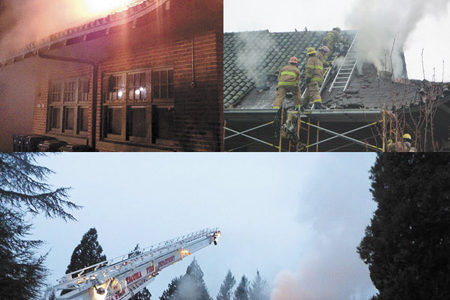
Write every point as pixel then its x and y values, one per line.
pixel 332 38
pixel 314 79
pixel 407 143
pixel 288 81
pixel 324 53
pixel 402 146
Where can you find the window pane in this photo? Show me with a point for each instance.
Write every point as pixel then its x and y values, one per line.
pixel 83 90
pixel 137 123
pixel 55 118
pixel 54 93
pixel 115 92
pixel 69 115
pixel 137 86
pixel 156 85
pixel 130 80
pixel 162 84
pixel 170 77
pixel 83 119
pixel 69 91
pixel 163 123
pixel 164 92
pixel 114 121
pixel 170 87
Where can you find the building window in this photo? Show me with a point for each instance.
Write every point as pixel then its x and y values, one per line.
pixel 83 90
pixel 162 84
pixel 83 119
pixel 131 106
pixel 137 86
pixel 55 118
pixel 68 106
pixel 137 122
pixel 54 92
pixel 69 91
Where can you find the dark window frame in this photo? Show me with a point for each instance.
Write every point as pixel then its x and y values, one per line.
pixel 130 82
pixel 64 95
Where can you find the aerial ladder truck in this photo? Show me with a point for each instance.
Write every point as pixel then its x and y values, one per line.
pixel 123 277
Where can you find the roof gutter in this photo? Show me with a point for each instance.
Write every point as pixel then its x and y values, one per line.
pixel 94 87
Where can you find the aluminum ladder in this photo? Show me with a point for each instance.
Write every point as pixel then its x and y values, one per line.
pixel 345 72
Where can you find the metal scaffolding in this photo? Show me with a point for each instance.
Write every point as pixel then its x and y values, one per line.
pixel 310 126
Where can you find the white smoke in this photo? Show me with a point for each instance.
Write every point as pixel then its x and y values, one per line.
pixel 251 56
pixel 330 267
pixel 384 27
pixel 188 288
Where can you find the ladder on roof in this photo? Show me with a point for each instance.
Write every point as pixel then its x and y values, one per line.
pixel 345 72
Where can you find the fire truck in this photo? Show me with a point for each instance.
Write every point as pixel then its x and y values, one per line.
pixel 123 277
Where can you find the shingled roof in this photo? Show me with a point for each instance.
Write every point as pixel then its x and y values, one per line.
pixel 252 61
pixel 249 57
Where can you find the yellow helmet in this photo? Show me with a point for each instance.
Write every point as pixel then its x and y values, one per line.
pixel 407 136
pixel 310 51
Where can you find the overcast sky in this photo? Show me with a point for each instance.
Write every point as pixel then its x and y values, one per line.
pixel 431 33
pixel 299 215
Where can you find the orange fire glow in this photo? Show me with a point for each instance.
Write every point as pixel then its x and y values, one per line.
pixel 98 7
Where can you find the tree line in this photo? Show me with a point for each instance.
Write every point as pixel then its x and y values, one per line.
pixel 406 245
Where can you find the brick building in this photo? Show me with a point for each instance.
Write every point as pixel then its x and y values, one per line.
pixel 145 79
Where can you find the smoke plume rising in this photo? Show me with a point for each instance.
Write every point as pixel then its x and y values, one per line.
pixel 330 268
pixel 252 54
pixel 26 21
pixel 384 27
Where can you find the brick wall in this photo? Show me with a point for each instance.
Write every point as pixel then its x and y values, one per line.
pixel 198 110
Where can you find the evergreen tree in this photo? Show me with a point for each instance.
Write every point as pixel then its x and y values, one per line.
pixel 190 286
pixel 87 253
pixel 241 292
pixel 407 244
pixel 142 295
pixel 24 190
pixel 226 289
pixel 171 289
pixel 259 289
pixel 52 296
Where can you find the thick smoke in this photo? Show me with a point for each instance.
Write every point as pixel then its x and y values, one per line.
pixel 252 54
pixel 330 268
pixel 384 28
pixel 26 21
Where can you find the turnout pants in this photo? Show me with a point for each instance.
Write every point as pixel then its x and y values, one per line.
pixel 281 94
pixel 312 93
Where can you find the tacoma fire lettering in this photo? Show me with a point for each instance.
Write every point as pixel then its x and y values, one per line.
pixel 166 261
pixel 134 277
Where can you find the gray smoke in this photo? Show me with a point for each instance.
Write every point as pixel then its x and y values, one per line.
pixel 384 28
pixel 188 289
pixel 252 52
pixel 330 268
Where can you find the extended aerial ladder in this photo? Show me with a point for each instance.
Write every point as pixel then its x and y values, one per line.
pixel 121 278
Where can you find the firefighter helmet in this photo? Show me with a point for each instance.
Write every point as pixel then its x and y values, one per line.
pixel 337 29
pixel 293 60
pixel 310 51
pixel 324 49
pixel 407 136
